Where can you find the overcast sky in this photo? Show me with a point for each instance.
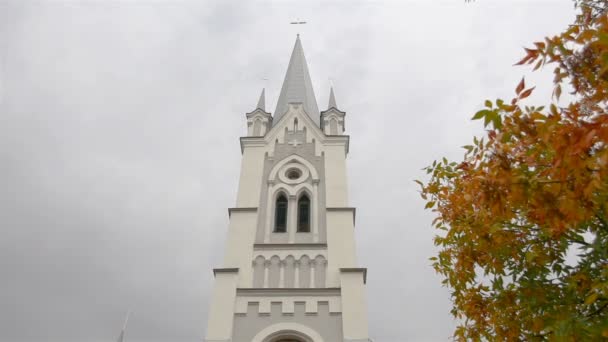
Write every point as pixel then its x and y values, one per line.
pixel 119 150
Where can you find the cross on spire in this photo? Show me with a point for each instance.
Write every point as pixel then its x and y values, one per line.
pixel 297 22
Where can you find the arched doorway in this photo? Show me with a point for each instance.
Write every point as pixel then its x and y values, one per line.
pixel 288 336
pixel 288 339
pixel 287 332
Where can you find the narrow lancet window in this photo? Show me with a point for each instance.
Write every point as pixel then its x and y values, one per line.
pixel 257 128
pixel 333 127
pixel 304 214
pixel 280 217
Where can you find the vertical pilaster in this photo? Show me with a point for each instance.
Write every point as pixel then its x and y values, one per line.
pixel 269 213
pixel 219 325
pixel 282 273
pixel 296 281
pixel 315 211
pixel 266 271
pixel 354 304
pixel 312 273
pixel 292 213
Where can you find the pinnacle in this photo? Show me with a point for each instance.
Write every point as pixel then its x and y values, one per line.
pixel 262 101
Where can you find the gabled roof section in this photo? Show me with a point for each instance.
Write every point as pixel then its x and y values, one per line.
pixel 297 86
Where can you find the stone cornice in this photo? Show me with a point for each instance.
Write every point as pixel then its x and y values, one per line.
pixel 252 141
pixel 356 270
pixel 241 210
pixel 225 270
pixel 332 109
pixel 257 110
pixel 338 140
pixel 274 246
pixel 278 292
pixel 351 209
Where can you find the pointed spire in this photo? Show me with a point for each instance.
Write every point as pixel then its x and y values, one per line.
pixel 297 86
pixel 262 101
pixel 332 99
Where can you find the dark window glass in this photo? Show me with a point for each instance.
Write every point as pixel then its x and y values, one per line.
pixel 304 214
pixel 280 218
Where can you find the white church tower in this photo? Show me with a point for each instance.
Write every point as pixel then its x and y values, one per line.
pixel 290 272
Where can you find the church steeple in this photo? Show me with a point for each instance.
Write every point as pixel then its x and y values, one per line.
pixel 290 269
pixel 259 121
pixel 297 86
pixel 332 120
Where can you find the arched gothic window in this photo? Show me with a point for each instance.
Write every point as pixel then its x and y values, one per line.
pixel 280 216
pixel 257 128
pixel 333 127
pixel 304 214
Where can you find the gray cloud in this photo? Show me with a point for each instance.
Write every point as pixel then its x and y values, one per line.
pixel 119 126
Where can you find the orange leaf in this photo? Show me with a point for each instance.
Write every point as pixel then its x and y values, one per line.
pixel 520 86
pixel 526 93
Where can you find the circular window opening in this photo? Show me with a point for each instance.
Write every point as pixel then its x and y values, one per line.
pixel 294 174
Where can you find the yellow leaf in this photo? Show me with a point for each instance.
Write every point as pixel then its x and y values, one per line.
pixel 591 299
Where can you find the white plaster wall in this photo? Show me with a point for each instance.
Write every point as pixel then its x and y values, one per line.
pixel 335 176
pixel 239 245
pixel 219 324
pixel 250 181
pixel 354 306
pixel 340 243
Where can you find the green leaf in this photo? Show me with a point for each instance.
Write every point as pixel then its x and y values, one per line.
pixel 482 113
pixel 488 104
pixel 429 205
pixel 488 118
pixel 497 121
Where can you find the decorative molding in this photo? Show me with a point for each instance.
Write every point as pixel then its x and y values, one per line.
pixel 289 246
pixel 288 303
pixel 293 159
pixel 279 292
pixel 225 270
pixel 332 109
pixel 258 110
pixel 242 210
pixel 356 270
pixel 314 128
pixel 351 209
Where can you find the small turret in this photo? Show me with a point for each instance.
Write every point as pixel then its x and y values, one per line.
pixel 259 121
pixel 332 120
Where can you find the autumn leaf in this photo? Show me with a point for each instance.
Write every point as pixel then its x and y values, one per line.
pixel 527 197
pixel 526 93
pixel 520 86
